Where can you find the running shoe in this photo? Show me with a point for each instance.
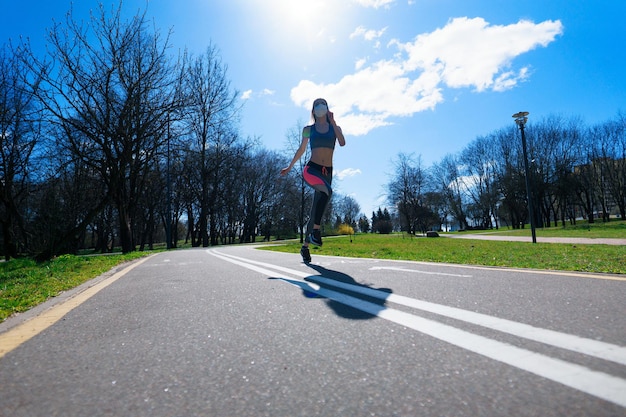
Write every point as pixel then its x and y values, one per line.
pixel 316 237
pixel 306 254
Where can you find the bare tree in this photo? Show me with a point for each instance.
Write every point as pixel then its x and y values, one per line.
pixel 347 210
pixel 110 88
pixel 510 178
pixel 261 196
pixel 553 147
pixel 294 138
pixel 210 115
pixel 19 134
pixel 448 182
pixel 406 193
pixel 610 165
pixel 585 177
pixel 479 161
pixel 67 192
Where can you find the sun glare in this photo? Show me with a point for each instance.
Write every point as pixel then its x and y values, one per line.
pixel 304 21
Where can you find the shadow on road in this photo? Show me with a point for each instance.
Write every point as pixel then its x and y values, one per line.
pixel 350 309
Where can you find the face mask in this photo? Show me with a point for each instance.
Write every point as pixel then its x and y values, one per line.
pixel 320 110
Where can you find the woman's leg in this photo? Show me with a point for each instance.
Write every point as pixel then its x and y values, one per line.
pixel 319 178
pixel 320 201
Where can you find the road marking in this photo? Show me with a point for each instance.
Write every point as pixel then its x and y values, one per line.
pixel 598 349
pixel 599 384
pixel 417 271
pixel 571 274
pixel 590 347
pixel 31 328
pixel 545 272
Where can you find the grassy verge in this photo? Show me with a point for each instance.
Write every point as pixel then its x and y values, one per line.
pixel 551 256
pixel 615 229
pixel 25 283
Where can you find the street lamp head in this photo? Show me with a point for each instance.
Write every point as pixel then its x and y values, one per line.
pixel 521 118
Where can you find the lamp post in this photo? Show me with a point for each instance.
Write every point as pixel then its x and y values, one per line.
pixel 521 119
pixel 168 226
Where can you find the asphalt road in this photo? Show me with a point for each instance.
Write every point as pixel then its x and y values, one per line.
pixel 236 331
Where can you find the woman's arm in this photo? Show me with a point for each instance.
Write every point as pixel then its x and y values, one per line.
pixel 340 138
pixel 300 151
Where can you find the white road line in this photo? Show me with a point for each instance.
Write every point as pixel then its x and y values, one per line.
pixel 590 347
pixel 598 349
pixel 416 271
pixel 599 384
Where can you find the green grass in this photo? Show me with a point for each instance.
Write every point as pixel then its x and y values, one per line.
pixel 548 256
pixel 614 229
pixel 25 283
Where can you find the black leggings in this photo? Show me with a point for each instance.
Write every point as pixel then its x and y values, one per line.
pixel 319 178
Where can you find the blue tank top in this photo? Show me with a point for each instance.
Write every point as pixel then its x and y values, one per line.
pixel 322 140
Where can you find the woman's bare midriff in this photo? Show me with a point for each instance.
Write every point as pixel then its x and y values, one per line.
pixel 322 156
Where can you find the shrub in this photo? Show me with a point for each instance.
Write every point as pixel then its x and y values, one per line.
pixel 345 229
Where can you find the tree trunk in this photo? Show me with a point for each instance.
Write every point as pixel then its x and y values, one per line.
pixel 126 233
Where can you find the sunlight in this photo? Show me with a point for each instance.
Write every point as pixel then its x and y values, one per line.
pixel 297 21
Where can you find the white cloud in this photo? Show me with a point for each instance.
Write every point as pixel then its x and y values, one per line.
pixel 470 53
pixel 465 53
pixel 374 3
pixel 268 92
pixel 367 34
pixel 509 79
pixel 367 99
pixel 248 94
pixel 348 172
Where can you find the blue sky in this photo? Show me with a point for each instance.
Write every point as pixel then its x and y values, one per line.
pixel 414 76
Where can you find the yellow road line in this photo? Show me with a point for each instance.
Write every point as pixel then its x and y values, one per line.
pixel 31 328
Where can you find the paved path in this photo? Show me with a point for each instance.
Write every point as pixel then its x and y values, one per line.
pixel 572 240
pixel 233 331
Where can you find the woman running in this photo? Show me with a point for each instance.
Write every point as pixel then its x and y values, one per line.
pixel 318 172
